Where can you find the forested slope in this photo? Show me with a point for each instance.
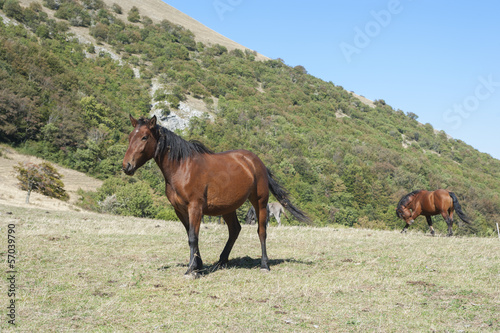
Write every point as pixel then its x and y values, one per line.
pixel 343 161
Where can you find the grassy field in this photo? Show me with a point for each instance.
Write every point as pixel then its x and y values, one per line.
pixel 79 271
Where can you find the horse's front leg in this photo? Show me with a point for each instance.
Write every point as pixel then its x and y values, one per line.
pixel 408 223
pixel 193 230
pixel 429 222
pixel 415 213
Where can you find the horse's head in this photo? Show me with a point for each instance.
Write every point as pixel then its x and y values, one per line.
pixel 403 213
pixel 403 210
pixel 141 144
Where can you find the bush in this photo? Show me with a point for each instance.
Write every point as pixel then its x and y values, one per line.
pixel 117 8
pixel 173 101
pixel 74 13
pixel 13 9
pixel 135 199
pixel 167 214
pixel 133 15
pixel 42 178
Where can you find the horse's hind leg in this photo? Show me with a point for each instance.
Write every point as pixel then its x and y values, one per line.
pixel 261 213
pixel 234 228
pixel 449 222
pixel 429 222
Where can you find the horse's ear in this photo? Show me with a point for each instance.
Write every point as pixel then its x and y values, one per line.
pixel 152 122
pixel 133 121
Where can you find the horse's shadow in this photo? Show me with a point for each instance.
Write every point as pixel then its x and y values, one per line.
pixel 245 262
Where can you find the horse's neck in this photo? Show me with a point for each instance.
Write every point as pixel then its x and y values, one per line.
pixel 167 167
pixel 413 202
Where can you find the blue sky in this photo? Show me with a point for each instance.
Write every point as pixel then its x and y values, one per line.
pixel 439 60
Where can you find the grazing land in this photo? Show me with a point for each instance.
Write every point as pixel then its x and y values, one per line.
pixel 81 271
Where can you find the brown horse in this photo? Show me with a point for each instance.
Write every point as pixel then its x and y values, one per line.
pixel 199 182
pixel 427 203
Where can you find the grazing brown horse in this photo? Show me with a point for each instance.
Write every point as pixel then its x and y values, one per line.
pixel 199 182
pixel 427 203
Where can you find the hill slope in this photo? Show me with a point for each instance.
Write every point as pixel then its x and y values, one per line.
pixel 158 11
pixel 344 161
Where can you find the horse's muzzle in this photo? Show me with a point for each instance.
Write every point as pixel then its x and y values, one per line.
pixel 128 169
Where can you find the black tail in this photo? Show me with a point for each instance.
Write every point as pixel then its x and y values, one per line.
pixel 458 209
pixel 281 195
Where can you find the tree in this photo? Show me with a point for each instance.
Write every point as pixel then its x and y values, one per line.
pixel 116 8
pixel 42 178
pixel 133 15
pixel 412 115
pixel 13 9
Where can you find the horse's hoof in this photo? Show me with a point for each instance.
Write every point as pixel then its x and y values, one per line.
pixel 265 269
pixel 218 266
pixel 192 275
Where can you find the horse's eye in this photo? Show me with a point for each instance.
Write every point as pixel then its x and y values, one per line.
pixel 145 138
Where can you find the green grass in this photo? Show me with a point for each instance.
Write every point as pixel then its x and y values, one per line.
pixel 99 273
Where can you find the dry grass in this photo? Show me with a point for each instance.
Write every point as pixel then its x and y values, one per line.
pixel 99 273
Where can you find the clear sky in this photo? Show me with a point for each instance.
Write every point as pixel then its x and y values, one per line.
pixel 437 59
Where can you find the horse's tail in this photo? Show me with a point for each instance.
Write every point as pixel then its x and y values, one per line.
pixel 281 194
pixel 458 209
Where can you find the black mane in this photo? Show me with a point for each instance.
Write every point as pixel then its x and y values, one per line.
pixel 175 147
pixel 405 199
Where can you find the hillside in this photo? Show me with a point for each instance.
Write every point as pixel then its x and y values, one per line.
pixel 158 11
pixel 344 159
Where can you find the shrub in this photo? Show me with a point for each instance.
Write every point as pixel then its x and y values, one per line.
pixel 133 15
pixel 74 13
pixel 135 199
pixel 117 8
pixel 42 178
pixel 13 9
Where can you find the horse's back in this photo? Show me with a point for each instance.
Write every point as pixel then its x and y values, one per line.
pixel 443 199
pixel 231 177
pixel 435 202
pixel 241 160
pixel 241 155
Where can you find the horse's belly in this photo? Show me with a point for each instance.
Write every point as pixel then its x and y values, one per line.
pixel 223 200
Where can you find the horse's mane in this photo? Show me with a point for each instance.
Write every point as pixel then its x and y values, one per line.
pixel 406 198
pixel 175 147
